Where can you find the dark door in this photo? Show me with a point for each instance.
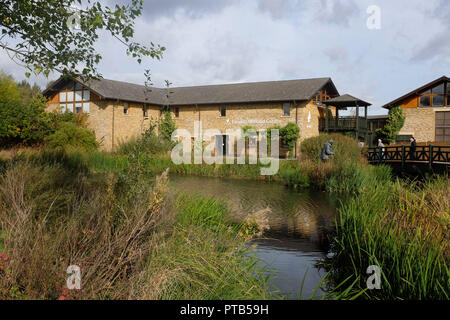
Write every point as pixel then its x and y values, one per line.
pixel 443 126
pixel 222 145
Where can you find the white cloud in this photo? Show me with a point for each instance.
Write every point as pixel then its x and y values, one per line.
pixel 210 42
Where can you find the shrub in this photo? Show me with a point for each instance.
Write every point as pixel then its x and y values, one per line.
pixel 69 134
pixel 346 149
pixel 148 144
pixel 166 126
pixel 394 124
pixel 289 134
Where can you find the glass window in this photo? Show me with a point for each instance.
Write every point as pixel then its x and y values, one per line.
pixel 145 111
pixel 78 86
pixel 177 112
pixel 426 92
pixel 125 108
pixel 223 111
pixel 63 108
pixel 425 101
pixel 70 96
pixel 70 108
pixel 78 107
pixel 86 107
pixel 62 96
pixel 439 89
pixel 78 95
pixel 286 109
pixel 86 95
pixel 448 87
pixel 438 101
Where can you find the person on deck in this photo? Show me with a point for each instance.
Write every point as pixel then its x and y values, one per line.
pixel 381 148
pixel 412 149
pixel 327 150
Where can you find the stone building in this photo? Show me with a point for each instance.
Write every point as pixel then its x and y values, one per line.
pixel 427 112
pixel 119 110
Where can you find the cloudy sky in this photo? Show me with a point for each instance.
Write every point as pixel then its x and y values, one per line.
pixel 229 41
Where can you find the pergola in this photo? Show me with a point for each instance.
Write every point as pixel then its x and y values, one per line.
pixel 358 124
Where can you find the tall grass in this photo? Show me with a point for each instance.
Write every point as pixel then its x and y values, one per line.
pixel 123 232
pixel 402 228
pixel 204 257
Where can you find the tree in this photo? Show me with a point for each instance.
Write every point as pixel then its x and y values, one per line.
pixel 59 35
pixel 394 124
pixel 166 126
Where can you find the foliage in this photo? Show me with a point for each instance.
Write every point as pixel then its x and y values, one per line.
pixel 402 228
pixel 69 134
pixel 394 124
pixel 49 35
pixel 166 126
pixel 346 149
pixel 289 135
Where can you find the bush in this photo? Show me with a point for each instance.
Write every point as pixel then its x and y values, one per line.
pixel 289 134
pixel 166 126
pixel 69 134
pixel 394 124
pixel 148 144
pixel 346 149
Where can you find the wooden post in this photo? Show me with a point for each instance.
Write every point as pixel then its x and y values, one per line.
pixel 357 122
pixel 336 120
pixel 430 157
pixel 326 119
pixel 403 156
pixel 367 125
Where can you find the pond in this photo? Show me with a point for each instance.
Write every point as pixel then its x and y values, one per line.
pixel 299 222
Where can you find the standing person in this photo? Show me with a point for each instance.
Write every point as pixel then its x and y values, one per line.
pixel 412 148
pixel 381 148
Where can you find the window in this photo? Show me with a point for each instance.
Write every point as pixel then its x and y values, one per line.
pixel 70 96
pixel 145 111
pixel 433 97
pixel 62 97
pixel 125 108
pixel 177 112
pixel 425 101
pixel 286 109
pixel 74 99
pixel 86 95
pixel 78 95
pixel 223 111
pixel 78 107
pixel 86 107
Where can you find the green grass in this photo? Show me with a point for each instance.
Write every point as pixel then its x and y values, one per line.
pixel 205 257
pixel 402 228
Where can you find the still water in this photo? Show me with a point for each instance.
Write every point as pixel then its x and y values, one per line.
pixel 299 222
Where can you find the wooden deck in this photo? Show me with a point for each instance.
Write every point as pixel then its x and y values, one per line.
pixel 431 155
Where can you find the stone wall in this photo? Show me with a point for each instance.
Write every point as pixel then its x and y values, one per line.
pixel 112 126
pixel 421 123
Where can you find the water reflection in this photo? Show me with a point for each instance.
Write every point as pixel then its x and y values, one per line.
pixel 299 223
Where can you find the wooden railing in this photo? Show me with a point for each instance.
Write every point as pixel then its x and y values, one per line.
pixel 424 154
pixel 343 123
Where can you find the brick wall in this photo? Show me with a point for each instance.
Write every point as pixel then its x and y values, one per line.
pixel 112 126
pixel 421 123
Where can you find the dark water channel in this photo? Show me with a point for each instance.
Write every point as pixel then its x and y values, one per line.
pixel 299 222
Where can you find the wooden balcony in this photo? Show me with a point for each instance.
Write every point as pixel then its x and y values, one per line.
pixel 341 124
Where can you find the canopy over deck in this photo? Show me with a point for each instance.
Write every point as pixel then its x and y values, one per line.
pixel 347 100
pixel 358 124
